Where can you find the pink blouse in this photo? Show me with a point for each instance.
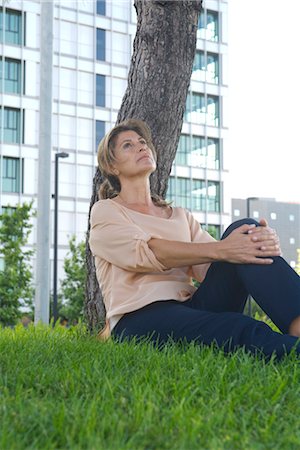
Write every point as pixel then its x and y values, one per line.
pixel 129 274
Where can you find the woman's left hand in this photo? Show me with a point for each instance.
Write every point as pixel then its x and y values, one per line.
pixel 266 235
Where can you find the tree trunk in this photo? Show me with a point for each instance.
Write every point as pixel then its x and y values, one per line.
pixel 158 80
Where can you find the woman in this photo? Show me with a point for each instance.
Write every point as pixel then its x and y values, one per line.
pixel 147 253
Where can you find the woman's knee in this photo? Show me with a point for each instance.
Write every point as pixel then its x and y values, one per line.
pixel 237 224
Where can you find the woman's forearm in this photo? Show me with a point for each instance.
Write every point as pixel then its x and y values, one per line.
pixel 244 245
pixel 178 254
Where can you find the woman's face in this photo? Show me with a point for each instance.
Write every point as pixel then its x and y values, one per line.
pixel 133 157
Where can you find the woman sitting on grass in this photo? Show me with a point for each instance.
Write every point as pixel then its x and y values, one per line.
pixel 147 253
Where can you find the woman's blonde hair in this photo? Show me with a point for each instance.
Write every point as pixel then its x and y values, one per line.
pixel 110 187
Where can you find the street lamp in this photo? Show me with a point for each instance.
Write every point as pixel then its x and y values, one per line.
pixel 248 201
pixel 57 156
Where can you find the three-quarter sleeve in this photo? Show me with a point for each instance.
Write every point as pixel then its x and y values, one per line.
pixel 119 241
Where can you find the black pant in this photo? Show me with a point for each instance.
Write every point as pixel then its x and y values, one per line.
pixel 214 313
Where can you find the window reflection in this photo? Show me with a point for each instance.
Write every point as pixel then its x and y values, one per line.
pixel 197 195
pixel 179 191
pixel 206 67
pixel 208 26
pixel 202 109
pixel 12 125
pixel 100 47
pixel 13 26
pixel 196 151
pixel 11 170
pixel 100 90
pixel 100 132
pixel 11 74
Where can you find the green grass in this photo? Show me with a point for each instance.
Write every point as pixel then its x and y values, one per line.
pixel 61 389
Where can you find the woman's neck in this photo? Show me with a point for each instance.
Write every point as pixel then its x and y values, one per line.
pixel 136 194
pixel 136 198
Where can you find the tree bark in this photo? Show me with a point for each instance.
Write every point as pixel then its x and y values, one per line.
pixel 158 81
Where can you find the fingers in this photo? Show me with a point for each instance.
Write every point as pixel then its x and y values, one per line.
pixel 260 229
pixel 265 239
pixel 263 222
pixel 262 234
pixel 246 228
pixel 263 261
pixel 272 250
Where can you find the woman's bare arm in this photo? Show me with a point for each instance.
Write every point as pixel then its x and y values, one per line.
pixel 242 246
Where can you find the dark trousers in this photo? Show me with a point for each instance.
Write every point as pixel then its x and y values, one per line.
pixel 214 312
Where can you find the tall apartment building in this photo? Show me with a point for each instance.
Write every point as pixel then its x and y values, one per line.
pixel 198 177
pixel 92 51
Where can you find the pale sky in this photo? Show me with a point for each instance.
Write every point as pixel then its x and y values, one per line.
pixel 264 99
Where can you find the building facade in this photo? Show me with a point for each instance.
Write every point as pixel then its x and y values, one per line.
pixel 198 177
pixel 91 58
pixel 283 217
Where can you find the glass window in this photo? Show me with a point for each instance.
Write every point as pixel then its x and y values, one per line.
pixel 236 213
pixel 199 66
pixel 208 26
pixel 182 150
pixel 100 90
pixel 100 131
pixel 13 27
pixel 255 214
pixel 212 113
pixel 212 68
pixel 11 122
pixel 8 209
pixel 179 191
pixel 292 240
pixel 206 67
pixel 196 195
pixel 11 175
pixel 206 197
pixel 213 196
pixel 213 154
pixel 291 217
pixel 100 51
pixel 196 152
pixel 101 7
pixel 195 108
pixel 199 110
pixel 273 216
pixel 203 154
pixel 197 156
pixel 11 74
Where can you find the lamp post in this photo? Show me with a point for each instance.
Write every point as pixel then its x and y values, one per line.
pixel 57 156
pixel 248 201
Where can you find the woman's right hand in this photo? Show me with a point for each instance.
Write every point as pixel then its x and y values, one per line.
pixel 243 246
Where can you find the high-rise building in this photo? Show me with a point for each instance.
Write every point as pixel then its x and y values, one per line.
pixel 91 58
pixel 198 177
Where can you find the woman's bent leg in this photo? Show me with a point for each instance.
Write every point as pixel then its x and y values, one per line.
pixel 275 287
pixel 222 290
pixel 165 320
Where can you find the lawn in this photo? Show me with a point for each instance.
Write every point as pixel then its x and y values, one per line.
pixel 63 389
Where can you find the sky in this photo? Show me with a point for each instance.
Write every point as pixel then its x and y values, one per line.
pixel 263 150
